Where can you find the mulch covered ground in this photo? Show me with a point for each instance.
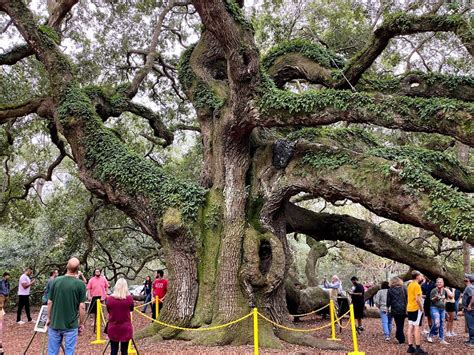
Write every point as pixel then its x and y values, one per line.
pixel 16 338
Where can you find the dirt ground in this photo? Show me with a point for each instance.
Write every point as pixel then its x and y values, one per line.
pixel 16 338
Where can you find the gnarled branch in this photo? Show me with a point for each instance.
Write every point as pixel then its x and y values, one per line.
pixel 400 24
pixel 399 189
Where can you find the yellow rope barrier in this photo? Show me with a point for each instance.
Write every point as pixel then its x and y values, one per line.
pixel 220 326
pixel 299 329
pixel 142 305
pixel 312 312
pixel 344 326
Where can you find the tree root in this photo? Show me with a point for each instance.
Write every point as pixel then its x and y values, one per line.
pixel 147 332
pixel 308 340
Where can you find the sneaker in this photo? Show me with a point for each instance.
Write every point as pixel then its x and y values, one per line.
pixel 426 332
pixel 411 349
pixel 32 320
pixel 448 334
pixel 453 334
pixel 429 339
pixel 387 339
pixel 361 328
pixel 444 342
pixel 468 343
pixel 420 351
pixel 20 322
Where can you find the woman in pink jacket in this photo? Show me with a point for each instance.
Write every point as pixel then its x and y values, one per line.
pixel 119 306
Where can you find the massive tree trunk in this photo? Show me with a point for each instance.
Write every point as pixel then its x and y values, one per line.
pixel 226 248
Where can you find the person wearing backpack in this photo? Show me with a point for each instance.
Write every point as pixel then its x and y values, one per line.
pixel 397 306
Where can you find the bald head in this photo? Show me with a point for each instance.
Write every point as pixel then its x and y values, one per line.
pixel 73 265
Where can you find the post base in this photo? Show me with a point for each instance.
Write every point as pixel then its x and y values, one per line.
pixel 131 351
pixel 335 339
pixel 98 342
pixel 356 353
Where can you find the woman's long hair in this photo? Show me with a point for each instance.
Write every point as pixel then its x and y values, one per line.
pixel 121 289
pixel 147 280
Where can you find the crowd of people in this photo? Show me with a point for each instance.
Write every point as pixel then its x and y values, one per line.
pixel 419 298
pixel 66 297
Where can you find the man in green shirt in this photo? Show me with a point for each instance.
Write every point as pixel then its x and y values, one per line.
pixel 66 310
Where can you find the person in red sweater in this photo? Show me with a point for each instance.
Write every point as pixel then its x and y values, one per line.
pixel 160 287
pixel 119 328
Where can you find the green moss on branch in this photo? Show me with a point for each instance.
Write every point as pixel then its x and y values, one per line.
pixel 238 15
pixel 201 94
pixel 452 210
pixel 112 163
pixel 316 52
pixel 346 137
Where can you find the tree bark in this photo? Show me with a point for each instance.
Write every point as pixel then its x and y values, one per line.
pixel 463 157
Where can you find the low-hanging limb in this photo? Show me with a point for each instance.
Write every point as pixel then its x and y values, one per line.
pixel 401 190
pixel 366 236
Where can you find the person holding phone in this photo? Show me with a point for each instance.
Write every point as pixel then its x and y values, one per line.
pixel 24 286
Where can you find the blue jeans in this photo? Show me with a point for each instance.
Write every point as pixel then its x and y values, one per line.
pixel 438 315
pixel 147 299
pixel 55 338
pixel 469 315
pixel 386 319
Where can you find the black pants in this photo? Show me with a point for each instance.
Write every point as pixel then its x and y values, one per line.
pixel 153 309
pixel 399 322
pixel 114 346
pixel 23 301
pixel 93 305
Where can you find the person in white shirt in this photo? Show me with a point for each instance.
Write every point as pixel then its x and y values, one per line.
pixel 24 295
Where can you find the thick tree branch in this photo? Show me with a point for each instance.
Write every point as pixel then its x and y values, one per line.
pixel 159 129
pixel 43 106
pixel 421 84
pixel 314 108
pixel 292 66
pixel 229 26
pixel 366 236
pixel 57 13
pixel 400 190
pixel 401 24
pixel 15 55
